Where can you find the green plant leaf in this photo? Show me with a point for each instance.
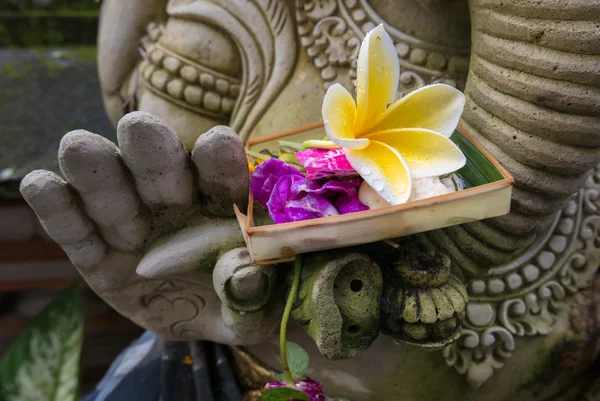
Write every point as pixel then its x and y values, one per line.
pixel 283 394
pixel 43 363
pixel 290 147
pixel 297 360
pixel 258 155
pixel 478 170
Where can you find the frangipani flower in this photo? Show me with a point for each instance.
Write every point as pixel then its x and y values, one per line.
pixel 389 143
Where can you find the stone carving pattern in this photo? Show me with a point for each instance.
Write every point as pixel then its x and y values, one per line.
pixel 524 297
pixel 170 295
pixel 191 85
pixel 263 31
pixel 331 32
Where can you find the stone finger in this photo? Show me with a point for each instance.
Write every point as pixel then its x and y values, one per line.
pixel 222 165
pixel 55 204
pixel 159 163
pixel 93 166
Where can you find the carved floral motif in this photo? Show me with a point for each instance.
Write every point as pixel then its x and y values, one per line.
pixel 524 297
pixel 331 32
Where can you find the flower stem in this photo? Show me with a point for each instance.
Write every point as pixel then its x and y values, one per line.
pixel 289 380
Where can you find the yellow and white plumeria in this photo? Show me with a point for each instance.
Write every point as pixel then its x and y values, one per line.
pixel 391 143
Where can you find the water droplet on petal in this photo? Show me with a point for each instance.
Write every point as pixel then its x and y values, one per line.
pixel 364 170
pixel 378 185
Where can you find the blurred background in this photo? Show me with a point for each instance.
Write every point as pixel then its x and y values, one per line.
pixel 48 87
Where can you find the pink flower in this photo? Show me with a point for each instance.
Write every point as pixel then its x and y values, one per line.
pixel 311 387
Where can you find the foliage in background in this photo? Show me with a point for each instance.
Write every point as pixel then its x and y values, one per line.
pixel 43 364
pixel 34 23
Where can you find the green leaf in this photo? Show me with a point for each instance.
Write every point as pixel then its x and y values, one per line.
pixel 478 169
pixel 290 147
pixel 43 363
pixel 284 394
pixel 297 360
pixel 258 155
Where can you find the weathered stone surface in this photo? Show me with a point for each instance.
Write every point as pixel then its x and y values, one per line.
pixel 338 303
pixel 101 217
pixel 223 177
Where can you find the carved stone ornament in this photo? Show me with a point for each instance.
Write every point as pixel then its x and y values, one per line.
pixel 523 297
pixel 331 32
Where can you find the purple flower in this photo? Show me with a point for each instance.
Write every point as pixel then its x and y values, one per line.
pixel 266 176
pixel 349 204
pixel 288 196
pixel 311 387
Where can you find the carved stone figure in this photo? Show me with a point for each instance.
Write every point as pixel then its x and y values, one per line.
pixel 159 243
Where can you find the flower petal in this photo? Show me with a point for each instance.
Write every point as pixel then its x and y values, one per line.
pixel 427 153
pixel 339 112
pixel 384 169
pixel 435 107
pixel 377 75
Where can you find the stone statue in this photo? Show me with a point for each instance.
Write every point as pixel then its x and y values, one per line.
pixel 149 224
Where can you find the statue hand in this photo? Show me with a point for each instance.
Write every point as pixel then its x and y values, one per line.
pixel 150 229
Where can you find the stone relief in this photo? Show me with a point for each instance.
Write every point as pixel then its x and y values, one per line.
pixel 331 32
pixel 520 271
pixel 523 297
pixel 265 38
pixel 182 81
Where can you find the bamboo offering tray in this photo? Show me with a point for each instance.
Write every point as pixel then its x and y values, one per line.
pixel 487 194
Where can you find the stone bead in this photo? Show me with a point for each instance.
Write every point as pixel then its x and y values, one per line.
pixel 175 88
pixel 159 79
pixel 222 86
pixel 189 73
pixel 496 286
pixel 147 72
pixel 546 260
pixel 171 64
pixel 212 101
pixel 402 49
pixel 436 61
pixel 418 56
pixel 514 281
pixel 227 105
pixel 369 26
pixel 207 81
pixel 156 56
pixel 478 286
pixel 193 95
pixel 234 91
pixel 359 15
pixel 531 273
